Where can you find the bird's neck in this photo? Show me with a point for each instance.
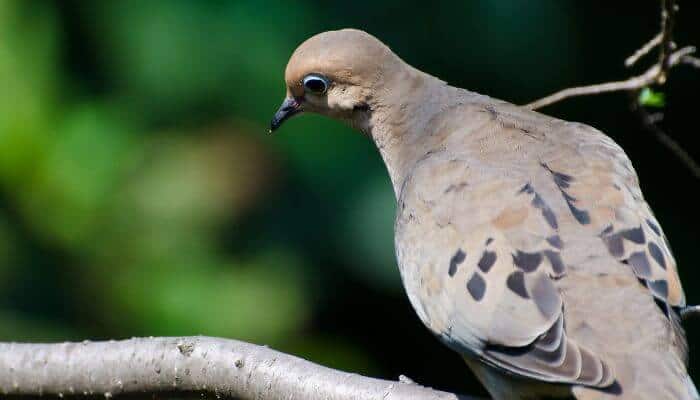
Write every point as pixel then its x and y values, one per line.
pixel 400 119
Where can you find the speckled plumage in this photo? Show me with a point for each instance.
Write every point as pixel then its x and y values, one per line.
pixel 524 241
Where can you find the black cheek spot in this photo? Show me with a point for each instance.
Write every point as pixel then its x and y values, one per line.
pixel 487 260
pixel 456 259
pixel 640 264
pixel 635 235
pixel 656 254
pixel 516 283
pixel 556 261
pixel 527 262
pixel 476 286
pixel 555 241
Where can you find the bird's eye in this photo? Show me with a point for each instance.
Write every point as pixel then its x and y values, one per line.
pixel 315 84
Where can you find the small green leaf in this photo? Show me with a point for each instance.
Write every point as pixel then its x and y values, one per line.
pixel 651 98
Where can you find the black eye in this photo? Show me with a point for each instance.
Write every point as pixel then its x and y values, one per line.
pixel 315 84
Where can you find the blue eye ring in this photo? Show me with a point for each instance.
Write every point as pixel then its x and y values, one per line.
pixel 315 83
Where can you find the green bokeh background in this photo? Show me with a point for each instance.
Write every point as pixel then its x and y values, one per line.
pixel 140 194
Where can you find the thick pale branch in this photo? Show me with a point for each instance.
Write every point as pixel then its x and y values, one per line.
pixel 635 83
pixel 226 368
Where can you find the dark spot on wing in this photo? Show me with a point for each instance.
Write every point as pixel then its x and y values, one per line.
pixel 537 202
pixel 560 179
pixel 656 254
pixel 581 216
pixel 456 259
pixel 654 227
pixel 527 188
pixel 555 241
pixel 608 229
pixel 516 283
pixel 476 286
pixel 635 235
pixel 556 261
pixel 549 216
pixel 547 212
pixel 640 264
pixel 663 306
pixel 563 181
pixel 546 296
pixel 540 204
pixel 527 262
pixel 660 288
pixel 488 258
pixel 569 198
pixel 614 244
pixel 455 188
pixel 615 388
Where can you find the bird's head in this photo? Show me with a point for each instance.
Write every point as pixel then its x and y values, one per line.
pixel 336 73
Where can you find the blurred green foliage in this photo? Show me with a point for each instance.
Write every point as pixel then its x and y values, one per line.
pixel 140 195
pixel 651 98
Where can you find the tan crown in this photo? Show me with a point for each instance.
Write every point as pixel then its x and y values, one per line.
pixel 346 56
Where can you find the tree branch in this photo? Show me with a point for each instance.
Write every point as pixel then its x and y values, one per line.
pixel 638 82
pixel 657 74
pixel 200 365
pixel 668 21
pixel 644 50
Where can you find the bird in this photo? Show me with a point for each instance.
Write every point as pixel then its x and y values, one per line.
pixel 523 241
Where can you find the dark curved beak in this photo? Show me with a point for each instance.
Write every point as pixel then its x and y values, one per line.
pixel 290 106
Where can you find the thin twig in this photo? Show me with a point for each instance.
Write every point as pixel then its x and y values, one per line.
pixel 635 83
pixel 668 18
pixel 229 369
pixel 692 61
pixel 644 50
pixel 657 74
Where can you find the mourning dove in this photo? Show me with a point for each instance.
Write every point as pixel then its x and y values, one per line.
pixel 523 241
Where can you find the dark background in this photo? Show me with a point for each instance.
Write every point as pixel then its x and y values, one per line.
pixel 140 194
